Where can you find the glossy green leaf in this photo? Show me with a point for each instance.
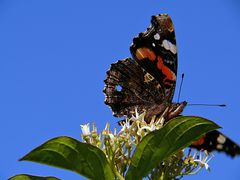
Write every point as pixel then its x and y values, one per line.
pixel 30 177
pixel 177 134
pixel 68 153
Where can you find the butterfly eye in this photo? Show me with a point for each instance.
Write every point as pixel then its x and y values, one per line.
pixel 118 87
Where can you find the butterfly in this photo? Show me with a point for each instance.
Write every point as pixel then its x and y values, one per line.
pixel 147 82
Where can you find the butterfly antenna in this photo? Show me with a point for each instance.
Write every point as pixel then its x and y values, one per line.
pixel 180 89
pixel 219 105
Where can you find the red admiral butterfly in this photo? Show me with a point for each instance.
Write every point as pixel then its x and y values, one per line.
pixel 147 83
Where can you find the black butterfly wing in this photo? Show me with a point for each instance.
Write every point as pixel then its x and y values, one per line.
pixel 129 87
pixel 155 50
pixel 216 141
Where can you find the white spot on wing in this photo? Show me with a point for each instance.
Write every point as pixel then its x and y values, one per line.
pixel 221 139
pixel 219 146
pixel 156 36
pixel 169 46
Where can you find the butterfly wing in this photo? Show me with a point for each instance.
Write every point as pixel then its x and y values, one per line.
pixel 216 141
pixel 148 84
pixel 155 50
pixel 129 87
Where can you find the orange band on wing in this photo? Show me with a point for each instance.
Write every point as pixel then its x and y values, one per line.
pixel 198 142
pixel 165 70
pixel 145 53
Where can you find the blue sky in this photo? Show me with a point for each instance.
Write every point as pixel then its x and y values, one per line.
pixel 54 55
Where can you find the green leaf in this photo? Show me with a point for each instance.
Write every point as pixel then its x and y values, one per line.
pixel 177 134
pixel 68 153
pixel 30 177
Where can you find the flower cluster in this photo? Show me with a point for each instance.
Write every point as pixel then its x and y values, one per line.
pixel 118 148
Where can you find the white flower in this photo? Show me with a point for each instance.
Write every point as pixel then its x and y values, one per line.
pixel 147 128
pixel 126 125
pixel 141 132
pixel 85 129
pixel 94 128
pixel 160 122
pixel 141 117
pixel 107 127
pixel 138 117
pixel 111 136
pixel 152 127
pixel 136 113
pixel 204 161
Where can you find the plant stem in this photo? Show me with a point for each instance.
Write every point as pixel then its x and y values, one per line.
pixel 118 174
